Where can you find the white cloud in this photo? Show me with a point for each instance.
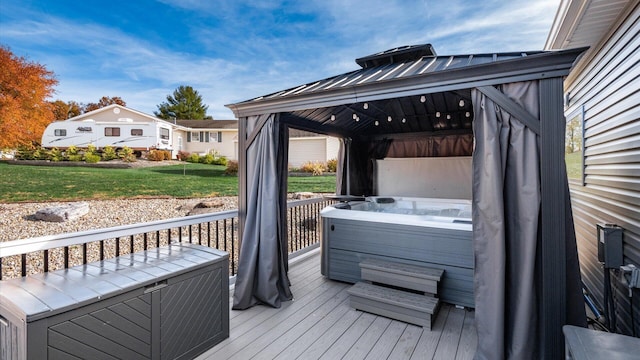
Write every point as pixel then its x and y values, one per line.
pixel 240 50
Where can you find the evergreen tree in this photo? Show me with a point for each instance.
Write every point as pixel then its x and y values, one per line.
pixel 185 103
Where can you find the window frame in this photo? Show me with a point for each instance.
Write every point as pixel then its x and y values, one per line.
pixel 136 132
pixel 164 136
pixel 60 132
pixel 112 131
pixel 580 115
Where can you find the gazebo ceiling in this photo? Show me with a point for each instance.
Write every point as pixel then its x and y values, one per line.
pixel 403 90
pixel 426 113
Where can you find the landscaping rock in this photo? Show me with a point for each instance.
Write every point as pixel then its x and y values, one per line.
pixel 205 207
pixel 303 195
pixel 67 212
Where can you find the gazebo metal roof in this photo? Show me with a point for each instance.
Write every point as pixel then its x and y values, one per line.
pixel 430 92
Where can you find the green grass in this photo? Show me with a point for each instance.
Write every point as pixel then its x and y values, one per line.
pixel 19 183
pixel 574 165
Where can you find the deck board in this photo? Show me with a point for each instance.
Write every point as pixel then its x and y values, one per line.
pixel 320 324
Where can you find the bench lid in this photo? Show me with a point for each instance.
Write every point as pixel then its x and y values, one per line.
pixel 42 295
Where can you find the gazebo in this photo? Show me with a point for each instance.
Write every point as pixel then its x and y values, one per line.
pixel 504 109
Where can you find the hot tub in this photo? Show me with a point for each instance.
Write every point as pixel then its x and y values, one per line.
pixel 421 231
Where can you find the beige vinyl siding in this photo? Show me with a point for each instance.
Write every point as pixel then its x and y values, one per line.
pixel 225 148
pixel 606 84
pixel 304 149
pixel 333 146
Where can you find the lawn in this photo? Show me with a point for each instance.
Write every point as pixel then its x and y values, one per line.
pixel 574 165
pixel 43 183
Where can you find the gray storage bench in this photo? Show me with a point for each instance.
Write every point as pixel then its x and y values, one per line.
pixel 166 303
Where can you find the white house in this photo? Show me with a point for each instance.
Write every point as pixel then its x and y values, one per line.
pixel 119 126
pixel 204 136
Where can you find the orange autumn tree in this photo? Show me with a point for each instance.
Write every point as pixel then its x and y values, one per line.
pixel 104 102
pixel 65 110
pixel 24 109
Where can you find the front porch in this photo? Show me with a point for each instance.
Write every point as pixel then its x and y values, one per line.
pixel 320 324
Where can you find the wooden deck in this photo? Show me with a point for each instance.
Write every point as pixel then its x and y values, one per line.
pixel 320 324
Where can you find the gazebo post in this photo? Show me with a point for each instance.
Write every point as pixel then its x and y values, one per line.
pixel 242 178
pixel 553 262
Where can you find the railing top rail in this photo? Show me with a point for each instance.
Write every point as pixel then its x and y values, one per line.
pixel 24 246
pixel 294 203
pixel 18 247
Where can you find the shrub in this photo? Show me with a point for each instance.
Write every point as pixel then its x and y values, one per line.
pixel 167 154
pixel 109 153
pixel 207 159
pixel 72 150
pixel 91 158
pixel 220 161
pixel 56 155
pixel 91 149
pixel 232 168
pixel 193 158
pixel 183 155
pixel 126 154
pixel 40 154
pixel 74 157
pixel 332 165
pixel 155 155
pixel 25 152
pixel 314 167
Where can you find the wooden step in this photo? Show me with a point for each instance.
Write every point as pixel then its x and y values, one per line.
pixel 406 276
pixel 395 304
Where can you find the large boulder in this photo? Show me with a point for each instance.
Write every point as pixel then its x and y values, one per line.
pixel 303 195
pixel 205 207
pixel 62 213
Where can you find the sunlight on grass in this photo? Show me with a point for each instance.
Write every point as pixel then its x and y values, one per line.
pixel 37 183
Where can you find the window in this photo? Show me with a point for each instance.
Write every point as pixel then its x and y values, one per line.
pixel 207 136
pixel 60 132
pixel 219 136
pixel 112 131
pixel 164 133
pixel 574 149
pixel 136 132
pixel 195 136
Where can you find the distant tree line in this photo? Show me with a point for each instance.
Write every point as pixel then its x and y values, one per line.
pixel 25 110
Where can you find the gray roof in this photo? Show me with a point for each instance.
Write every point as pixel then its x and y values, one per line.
pixel 209 124
pixel 426 91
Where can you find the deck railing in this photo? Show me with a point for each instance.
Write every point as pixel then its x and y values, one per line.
pixel 218 230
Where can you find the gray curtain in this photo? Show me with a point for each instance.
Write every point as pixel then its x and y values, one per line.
pixel 506 205
pixel 263 263
pixel 341 169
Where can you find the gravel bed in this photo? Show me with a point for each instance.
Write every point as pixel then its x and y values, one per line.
pixel 17 219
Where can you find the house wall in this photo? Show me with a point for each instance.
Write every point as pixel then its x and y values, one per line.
pixel 605 86
pixel 179 141
pixel 225 148
pixel 312 149
pixel 333 146
pixel 114 114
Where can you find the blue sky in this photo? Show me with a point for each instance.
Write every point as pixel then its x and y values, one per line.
pixel 142 50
